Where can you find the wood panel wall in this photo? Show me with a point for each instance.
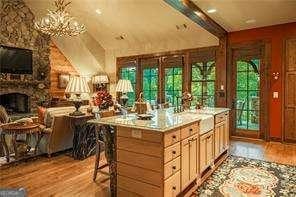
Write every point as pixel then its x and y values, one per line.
pixel 59 65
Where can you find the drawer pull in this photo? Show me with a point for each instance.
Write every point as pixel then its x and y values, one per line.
pixel 190 129
pixel 174 137
pixel 174 188
pixel 174 152
pixel 174 167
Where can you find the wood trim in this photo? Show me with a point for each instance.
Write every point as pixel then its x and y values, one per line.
pixel 189 9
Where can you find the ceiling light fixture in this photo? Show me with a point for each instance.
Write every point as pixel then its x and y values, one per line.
pixel 211 11
pixel 250 21
pixel 59 22
pixel 98 11
pixel 198 13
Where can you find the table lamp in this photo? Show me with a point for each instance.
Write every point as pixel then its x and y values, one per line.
pixel 77 85
pixel 100 81
pixel 124 86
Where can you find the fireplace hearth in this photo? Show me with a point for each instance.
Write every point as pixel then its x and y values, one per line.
pixel 15 103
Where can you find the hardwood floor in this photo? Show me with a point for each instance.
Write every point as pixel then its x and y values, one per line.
pixel 63 176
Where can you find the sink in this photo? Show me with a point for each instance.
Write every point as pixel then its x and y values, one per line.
pixel 206 123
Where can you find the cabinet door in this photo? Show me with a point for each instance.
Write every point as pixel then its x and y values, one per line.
pixel 222 138
pixel 185 163
pixel 193 144
pixel 217 139
pixel 209 150
pixel 203 153
pixel 226 132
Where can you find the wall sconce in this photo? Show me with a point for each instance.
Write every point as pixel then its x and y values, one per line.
pixel 276 75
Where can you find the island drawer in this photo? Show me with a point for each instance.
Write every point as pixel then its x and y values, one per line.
pixel 189 130
pixel 172 185
pixel 171 137
pixel 172 152
pixel 220 117
pixel 172 167
pixel 146 135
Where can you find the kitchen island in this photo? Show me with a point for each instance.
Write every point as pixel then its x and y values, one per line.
pixel 165 155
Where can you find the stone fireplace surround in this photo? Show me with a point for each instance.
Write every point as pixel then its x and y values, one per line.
pixel 17 30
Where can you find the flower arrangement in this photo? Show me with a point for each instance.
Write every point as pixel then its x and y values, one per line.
pixel 103 100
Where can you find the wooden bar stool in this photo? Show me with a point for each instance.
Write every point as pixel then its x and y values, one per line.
pixel 100 142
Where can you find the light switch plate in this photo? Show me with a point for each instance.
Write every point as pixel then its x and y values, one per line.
pixel 275 95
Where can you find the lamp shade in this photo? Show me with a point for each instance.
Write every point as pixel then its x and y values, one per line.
pixel 77 85
pixel 100 79
pixel 124 86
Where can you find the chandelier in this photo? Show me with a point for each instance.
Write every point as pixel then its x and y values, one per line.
pixel 59 22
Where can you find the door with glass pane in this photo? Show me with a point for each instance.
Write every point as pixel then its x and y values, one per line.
pixel 150 84
pixel 129 73
pixel 247 96
pixel 173 81
pixel 203 83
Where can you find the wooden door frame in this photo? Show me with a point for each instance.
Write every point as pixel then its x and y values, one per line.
pixel 283 75
pixel 265 46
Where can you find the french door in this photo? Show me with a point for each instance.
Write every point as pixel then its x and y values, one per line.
pixel 248 83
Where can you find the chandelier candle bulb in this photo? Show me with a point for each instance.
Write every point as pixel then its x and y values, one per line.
pixel 59 22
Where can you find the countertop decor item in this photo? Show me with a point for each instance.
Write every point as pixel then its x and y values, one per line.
pixel 103 100
pixel 77 85
pixel 59 22
pixel 124 86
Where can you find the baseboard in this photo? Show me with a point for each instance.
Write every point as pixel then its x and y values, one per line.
pixel 246 139
pixel 275 139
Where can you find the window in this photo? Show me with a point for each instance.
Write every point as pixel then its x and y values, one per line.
pixel 248 94
pixel 203 83
pixel 130 74
pixel 150 84
pixel 173 85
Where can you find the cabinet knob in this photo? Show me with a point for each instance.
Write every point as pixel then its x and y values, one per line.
pixel 174 188
pixel 190 129
pixel 174 167
pixel 174 137
pixel 174 152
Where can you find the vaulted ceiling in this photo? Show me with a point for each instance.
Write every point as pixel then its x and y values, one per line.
pixel 235 15
pixel 144 24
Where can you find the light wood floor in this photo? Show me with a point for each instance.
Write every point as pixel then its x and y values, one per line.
pixel 63 176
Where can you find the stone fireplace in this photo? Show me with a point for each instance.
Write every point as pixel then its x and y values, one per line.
pixel 22 93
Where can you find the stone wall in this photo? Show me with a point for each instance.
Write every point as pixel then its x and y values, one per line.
pixel 17 30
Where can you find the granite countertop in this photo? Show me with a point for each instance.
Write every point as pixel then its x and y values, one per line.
pixel 163 120
pixel 211 110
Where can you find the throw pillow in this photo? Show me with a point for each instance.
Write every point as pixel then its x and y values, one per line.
pixel 41 114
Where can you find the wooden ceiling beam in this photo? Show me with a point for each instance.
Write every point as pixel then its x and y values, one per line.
pixel 193 12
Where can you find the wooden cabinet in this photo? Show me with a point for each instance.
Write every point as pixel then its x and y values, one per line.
pixel 290 91
pixel 206 146
pixel 221 134
pixel 189 160
pixel 172 185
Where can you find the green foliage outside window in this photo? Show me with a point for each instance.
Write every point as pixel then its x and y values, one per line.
pixel 248 94
pixel 203 83
pixel 150 84
pixel 173 84
pixel 130 74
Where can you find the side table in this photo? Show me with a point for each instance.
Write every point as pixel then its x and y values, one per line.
pixel 15 129
pixel 83 138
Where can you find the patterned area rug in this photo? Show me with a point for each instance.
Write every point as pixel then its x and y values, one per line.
pixel 243 177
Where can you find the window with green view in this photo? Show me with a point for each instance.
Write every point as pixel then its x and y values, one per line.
pixel 130 74
pixel 173 85
pixel 203 83
pixel 150 84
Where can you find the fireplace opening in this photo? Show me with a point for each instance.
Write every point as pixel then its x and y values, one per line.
pixel 15 103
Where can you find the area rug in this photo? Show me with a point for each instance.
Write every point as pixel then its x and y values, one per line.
pixel 243 177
